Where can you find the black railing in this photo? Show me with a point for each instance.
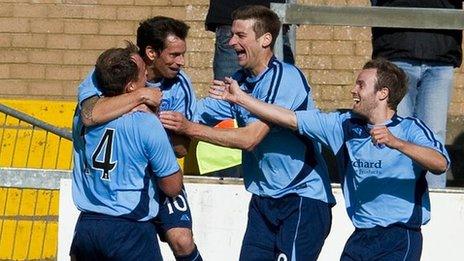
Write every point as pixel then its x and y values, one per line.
pixel 28 142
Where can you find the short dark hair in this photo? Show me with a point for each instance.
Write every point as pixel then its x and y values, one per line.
pixel 266 21
pixel 154 31
pixel 389 76
pixel 115 68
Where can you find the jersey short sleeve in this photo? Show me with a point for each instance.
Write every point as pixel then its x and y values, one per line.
pixel 325 128
pixel 421 135
pixel 283 85
pixel 210 111
pixel 88 88
pixel 157 147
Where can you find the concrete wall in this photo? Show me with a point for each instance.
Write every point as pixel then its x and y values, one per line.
pixel 29 204
pixel 220 216
pixel 37 219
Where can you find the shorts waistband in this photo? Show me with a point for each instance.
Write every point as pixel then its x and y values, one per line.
pixel 100 216
pixel 395 225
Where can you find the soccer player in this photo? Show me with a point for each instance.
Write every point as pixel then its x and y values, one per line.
pixel 290 210
pixel 161 41
pixel 117 166
pixel 383 159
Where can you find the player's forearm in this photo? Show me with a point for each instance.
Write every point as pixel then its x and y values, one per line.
pixel 232 138
pixel 97 110
pixel 428 158
pixel 269 112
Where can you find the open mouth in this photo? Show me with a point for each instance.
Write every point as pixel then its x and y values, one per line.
pixel 240 53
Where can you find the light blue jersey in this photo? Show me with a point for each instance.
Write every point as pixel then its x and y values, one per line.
pixel 382 186
pixel 283 162
pixel 178 93
pixel 115 165
pixel 88 88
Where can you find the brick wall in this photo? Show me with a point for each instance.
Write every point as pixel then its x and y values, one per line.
pixel 48 46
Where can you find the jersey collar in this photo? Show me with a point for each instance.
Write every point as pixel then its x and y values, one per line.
pixel 251 80
pixel 389 123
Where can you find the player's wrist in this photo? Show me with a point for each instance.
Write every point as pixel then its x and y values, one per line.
pixel 398 144
pixel 143 96
pixel 189 129
pixel 240 98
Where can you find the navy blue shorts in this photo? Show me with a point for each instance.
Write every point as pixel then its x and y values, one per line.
pixel 384 243
pixel 173 212
pixel 103 237
pixel 287 228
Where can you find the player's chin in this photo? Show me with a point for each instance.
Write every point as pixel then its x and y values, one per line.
pixel 171 74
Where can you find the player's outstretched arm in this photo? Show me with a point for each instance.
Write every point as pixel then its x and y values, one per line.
pixel 172 184
pixel 96 110
pixel 428 158
pixel 229 90
pixel 245 138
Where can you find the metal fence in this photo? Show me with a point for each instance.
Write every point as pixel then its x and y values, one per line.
pixel 400 17
pixel 26 142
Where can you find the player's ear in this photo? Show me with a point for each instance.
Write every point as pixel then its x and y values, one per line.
pixel 130 86
pixel 266 40
pixel 150 53
pixel 384 93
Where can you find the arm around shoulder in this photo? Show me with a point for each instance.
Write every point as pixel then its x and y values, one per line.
pixel 97 110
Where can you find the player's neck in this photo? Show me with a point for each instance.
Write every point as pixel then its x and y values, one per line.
pixel 262 64
pixel 378 117
pixel 151 76
pixel 154 77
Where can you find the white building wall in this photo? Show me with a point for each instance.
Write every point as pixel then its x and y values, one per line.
pixel 220 213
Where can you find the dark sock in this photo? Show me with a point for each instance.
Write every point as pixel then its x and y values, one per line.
pixel 194 256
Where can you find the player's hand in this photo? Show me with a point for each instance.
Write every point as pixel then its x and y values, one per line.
pixel 174 121
pixel 227 90
pixel 151 96
pixel 381 135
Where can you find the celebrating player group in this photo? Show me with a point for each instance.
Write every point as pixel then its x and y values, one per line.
pixel 137 111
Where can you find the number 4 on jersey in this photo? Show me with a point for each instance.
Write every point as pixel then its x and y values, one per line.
pixel 104 151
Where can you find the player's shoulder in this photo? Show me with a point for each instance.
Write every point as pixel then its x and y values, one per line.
pixel 183 79
pixel 142 120
pixel 180 83
pixel 407 120
pixel 277 65
pixel 346 114
pixel 411 124
pixel 183 74
pixel 287 74
pixel 350 119
pixel 340 116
